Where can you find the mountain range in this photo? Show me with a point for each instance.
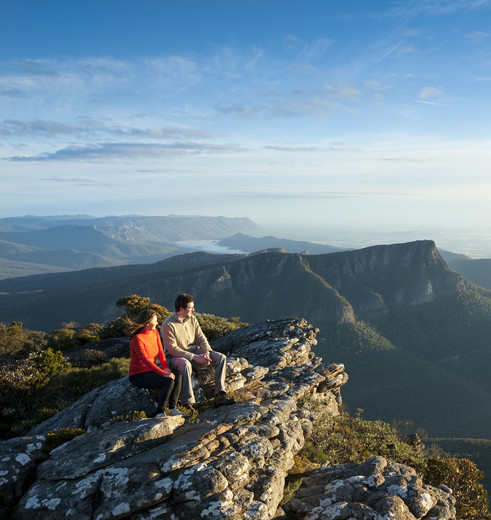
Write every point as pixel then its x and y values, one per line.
pixel 413 333
pixel 49 244
pixel 36 245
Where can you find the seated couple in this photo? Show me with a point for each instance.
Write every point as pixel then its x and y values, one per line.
pixel 185 348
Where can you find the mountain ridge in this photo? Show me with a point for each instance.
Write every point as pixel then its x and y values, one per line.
pixel 66 243
pixel 376 307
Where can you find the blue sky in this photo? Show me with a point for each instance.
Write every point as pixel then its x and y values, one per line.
pixel 315 115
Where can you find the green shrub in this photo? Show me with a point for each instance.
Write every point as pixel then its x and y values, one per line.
pixel 345 439
pixel 115 328
pixel 91 333
pixel 47 364
pixel 133 305
pixel 462 477
pixel 55 382
pixel 58 437
pixel 14 339
pixel 135 415
pixel 79 381
pixel 88 358
pixel 215 326
pixel 63 339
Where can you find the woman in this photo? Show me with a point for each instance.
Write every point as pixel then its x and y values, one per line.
pixel 145 346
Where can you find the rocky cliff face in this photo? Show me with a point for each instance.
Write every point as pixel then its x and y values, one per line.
pixel 328 289
pixel 407 274
pixel 229 463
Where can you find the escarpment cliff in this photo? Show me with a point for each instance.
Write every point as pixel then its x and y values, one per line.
pixel 397 309
pixel 408 274
pixel 327 289
pixel 228 463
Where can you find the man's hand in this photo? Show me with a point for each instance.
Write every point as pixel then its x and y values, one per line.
pixel 202 359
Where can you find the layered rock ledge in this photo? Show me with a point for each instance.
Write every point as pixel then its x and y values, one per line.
pixel 228 463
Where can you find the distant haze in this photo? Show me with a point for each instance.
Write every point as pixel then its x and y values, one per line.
pixel 319 117
pixel 475 243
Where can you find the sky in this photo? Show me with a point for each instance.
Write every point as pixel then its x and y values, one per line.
pixel 313 117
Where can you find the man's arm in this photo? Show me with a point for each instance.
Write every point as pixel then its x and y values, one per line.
pixel 200 338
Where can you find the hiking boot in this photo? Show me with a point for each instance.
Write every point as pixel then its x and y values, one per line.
pixel 174 412
pixel 221 399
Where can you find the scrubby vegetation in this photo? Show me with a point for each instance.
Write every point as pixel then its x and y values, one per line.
pixel 44 373
pixel 14 339
pixel 58 437
pixel 463 477
pixel 346 439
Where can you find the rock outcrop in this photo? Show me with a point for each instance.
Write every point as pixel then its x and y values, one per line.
pixel 228 463
pixel 376 489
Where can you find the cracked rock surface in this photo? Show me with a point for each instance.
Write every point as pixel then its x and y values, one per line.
pixel 228 463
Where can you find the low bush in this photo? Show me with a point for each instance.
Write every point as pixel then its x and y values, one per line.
pixel 88 358
pixel 14 339
pixel 45 376
pixel 25 389
pixel 463 478
pixel 215 326
pixel 58 437
pixel 133 305
pixel 346 439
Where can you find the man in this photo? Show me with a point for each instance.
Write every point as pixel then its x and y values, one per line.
pixel 186 347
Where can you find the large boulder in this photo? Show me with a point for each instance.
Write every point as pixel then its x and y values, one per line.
pixel 376 489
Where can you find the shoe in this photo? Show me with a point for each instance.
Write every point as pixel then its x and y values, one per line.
pixel 174 412
pixel 161 415
pixel 221 399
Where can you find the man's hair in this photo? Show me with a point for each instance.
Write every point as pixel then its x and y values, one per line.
pixel 182 301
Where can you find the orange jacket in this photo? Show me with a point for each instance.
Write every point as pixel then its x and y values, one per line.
pixel 144 347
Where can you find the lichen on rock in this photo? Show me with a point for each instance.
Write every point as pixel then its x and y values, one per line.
pixel 229 463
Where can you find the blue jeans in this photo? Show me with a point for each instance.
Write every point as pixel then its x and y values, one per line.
pixel 169 388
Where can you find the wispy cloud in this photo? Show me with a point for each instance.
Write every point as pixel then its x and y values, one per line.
pixel 334 147
pixel 75 181
pixel 306 51
pixel 436 7
pixel 126 151
pixel 319 102
pixel 94 127
pixel 317 192
pixel 433 96
pixel 14 93
pixel 240 109
pixel 292 149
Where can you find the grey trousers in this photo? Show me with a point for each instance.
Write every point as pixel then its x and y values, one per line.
pixel 185 367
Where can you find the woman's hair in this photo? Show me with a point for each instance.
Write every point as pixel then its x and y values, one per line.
pixel 135 326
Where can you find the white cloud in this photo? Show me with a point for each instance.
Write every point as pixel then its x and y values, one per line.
pixel 478 36
pixel 127 151
pixel 90 128
pixel 436 7
pixel 432 95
